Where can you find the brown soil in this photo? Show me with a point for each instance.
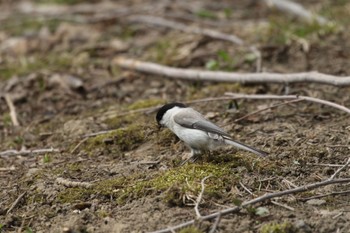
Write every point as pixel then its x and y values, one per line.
pixel 57 69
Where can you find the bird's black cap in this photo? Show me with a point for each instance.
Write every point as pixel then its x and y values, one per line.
pixel 165 108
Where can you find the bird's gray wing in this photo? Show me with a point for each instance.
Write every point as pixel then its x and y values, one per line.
pixel 194 120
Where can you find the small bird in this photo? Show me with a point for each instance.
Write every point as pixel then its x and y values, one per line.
pixel 197 132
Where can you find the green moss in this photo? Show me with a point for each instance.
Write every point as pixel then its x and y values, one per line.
pixel 72 195
pixel 52 62
pixel 206 14
pixel 285 227
pixel 123 139
pixel 191 229
pixel 18 25
pixel 185 179
pixel 282 31
pixel 145 103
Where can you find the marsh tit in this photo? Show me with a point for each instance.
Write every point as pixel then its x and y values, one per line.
pixel 197 132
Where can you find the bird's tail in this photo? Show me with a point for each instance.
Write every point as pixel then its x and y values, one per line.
pixel 245 147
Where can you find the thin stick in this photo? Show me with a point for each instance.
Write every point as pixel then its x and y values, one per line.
pixel 289 97
pixel 200 196
pixel 340 169
pixel 324 164
pixel 296 9
pixel 15 203
pixel 199 31
pixel 267 108
pixel 28 152
pixel 12 108
pixel 325 195
pixel 220 76
pixel 246 189
pixel 282 205
pixel 79 144
pixel 69 183
pixel 265 197
pixel 5 169
pixel 216 224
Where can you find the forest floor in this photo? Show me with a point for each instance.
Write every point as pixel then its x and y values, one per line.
pixel 56 67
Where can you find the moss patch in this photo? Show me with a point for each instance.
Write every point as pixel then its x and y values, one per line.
pixel 123 139
pixel 285 227
pixel 185 179
pixel 145 103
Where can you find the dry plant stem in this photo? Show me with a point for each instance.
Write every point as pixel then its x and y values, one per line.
pixel 15 203
pixel 12 108
pixel 340 169
pixel 282 205
pixel 267 108
pixel 200 196
pixel 69 183
pixel 297 10
pixel 326 195
pixel 288 97
pixel 216 224
pixel 196 30
pixel 265 197
pixel 220 76
pixel 324 164
pixel 79 144
pixel 246 189
pixel 28 152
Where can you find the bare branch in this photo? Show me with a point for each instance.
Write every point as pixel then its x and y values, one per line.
pixel 15 203
pixel 246 189
pixel 200 196
pixel 267 108
pixel 69 183
pixel 28 152
pixel 340 169
pixel 196 30
pixel 265 197
pixel 220 76
pixel 288 97
pixel 283 205
pixel 325 195
pixel 12 108
pixel 296 9
pixel 216 224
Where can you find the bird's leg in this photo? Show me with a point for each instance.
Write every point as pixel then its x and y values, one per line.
pixel 193 157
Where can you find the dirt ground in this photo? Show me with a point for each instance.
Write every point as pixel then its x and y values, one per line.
pixel 56 67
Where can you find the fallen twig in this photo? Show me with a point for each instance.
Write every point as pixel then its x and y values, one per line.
pixel 69 183
pixel 220 76
pixel 265 197
pixel 324 164
pixel 79 144
pixel 340 169
pixel 15 203
pixel 200 196
pixel 12 108
pixel 288 97
pixel 5 169
pixel 282 205
pixel 296 9
pixel 267 108
pixel 325 195
pixel 196 30
pixel 246 189
pixel 27 152
pixel 216 224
